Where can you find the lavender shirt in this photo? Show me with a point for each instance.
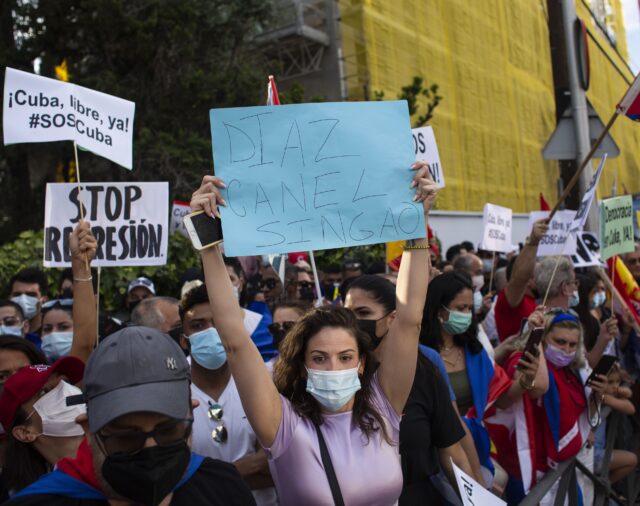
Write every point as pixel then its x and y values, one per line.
pixel 368 473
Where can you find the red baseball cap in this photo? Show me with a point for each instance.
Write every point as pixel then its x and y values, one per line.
pixel 28 381
pixel 294 258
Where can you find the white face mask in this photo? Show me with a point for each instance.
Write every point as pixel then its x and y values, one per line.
pixel 11 331
pixel 333 389
pixel 56 345
pixel 28 304
pixel 236 292
pixel 477 302
pixel 477 282
pixel 58 419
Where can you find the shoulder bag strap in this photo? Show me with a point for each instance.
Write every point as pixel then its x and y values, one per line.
pixel 328 468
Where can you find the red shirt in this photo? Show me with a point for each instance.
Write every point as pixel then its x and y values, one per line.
pixel 509 319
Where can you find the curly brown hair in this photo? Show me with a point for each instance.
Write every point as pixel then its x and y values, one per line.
pixel 290 376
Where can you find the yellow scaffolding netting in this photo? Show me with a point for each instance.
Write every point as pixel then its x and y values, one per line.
pixel 492 62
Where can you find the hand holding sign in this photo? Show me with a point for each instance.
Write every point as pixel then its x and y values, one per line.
pixel 207 198
pixel 427 189
pixel 82 243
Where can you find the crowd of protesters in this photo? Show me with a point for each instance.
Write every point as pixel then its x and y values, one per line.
pixel 243 387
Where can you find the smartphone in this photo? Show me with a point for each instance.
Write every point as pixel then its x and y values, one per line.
pixel 603 367
pixel 535 337
pixel 204 231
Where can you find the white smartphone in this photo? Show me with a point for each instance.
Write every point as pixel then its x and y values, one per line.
pixel 204 231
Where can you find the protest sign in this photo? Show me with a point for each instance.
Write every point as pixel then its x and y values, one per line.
pixel 424 142
pixel 496 235
pixel 587 199
pixel 616 226
pixel 558 240
pixel 315 176
pixel 128 220
pixel 587 250
pixel 39 109
pixel 472 493
pixel 178 211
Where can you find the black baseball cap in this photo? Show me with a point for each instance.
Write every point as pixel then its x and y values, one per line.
pixel 137 369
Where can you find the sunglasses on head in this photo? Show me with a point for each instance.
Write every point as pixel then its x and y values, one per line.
pixel 57 302
pixel 277 328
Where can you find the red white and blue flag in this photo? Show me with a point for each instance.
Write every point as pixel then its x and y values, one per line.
pixel 630 104
pixel 272 92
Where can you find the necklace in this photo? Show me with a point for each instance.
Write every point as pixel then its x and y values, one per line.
pixel 452 363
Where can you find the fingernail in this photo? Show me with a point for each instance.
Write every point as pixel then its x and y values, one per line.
pixel 223 203
pixel 415 198
pixel 414 165
pixel 413 183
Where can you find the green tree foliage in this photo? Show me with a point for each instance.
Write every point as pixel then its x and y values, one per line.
pixel 26 251
pixel 412 93
pixel 174 59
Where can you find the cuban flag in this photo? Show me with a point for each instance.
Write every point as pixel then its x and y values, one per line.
pixel 488 382
pixel 630 104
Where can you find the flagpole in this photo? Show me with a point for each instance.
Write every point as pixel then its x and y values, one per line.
pixel 315 278
pixel 584 163
pixel 493 268
pixel 98 307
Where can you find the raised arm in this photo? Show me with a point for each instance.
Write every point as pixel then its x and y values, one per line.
pixel 85 313
pixel 258 394
pixel 399 349
pixel 524 265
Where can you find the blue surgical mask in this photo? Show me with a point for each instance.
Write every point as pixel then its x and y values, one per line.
pixel 599 298
pixel 574 299
pixel 333 389
pixel 207 349
pixel 458 322
pixel 28 304
pixel 11 331
pixel 56 345
pixel 487 264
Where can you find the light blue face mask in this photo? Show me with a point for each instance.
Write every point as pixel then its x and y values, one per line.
pixel 207 349
pixel 28 304
pixel 477 302
pixel 574 299
pixel 333 389
pixel 458 322
pixel 11 331
pixel 56 345
pixel 599 298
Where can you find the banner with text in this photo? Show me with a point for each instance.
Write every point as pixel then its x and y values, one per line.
pixel 496 235
pixel 315 176
pixel 616 226
pixel 472 493
pixel 587 251
pixel 128 220
pixel 587 199
pixel 39 109
pixel 558 240
pixel 178 211
pixel 424 142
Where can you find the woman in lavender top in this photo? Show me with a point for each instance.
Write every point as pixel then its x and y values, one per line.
pixel 326 376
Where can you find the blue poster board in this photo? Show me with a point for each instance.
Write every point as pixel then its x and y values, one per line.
pixel 315 176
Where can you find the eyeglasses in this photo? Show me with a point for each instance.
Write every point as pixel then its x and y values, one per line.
pixel 129 442
pixel 305 285
pixel 220 433
pixel 57 302
pixel 352 266
pixel 270 283
pixel 277 328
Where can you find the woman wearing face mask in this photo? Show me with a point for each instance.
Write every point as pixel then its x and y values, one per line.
pixel 600 327
pixel 329 390
pixel 479 384
pixel 430 426
pixel 555 427
pixel 40 427
pixel 285 315
pixel 60 337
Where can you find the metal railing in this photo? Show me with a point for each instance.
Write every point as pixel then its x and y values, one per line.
pixel 566 473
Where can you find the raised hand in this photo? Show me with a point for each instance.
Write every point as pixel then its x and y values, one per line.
pixel 207 198
pixel 82 243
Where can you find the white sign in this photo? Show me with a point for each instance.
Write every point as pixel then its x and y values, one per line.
pixel 587 251
pixel 424 142
pixel 496 234
pixel 472 493
pixel 178 211
pixel 558 240
pixel 589 195
pixel 128 220
pixel 39 109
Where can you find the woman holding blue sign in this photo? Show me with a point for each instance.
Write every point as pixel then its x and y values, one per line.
pixel 330 423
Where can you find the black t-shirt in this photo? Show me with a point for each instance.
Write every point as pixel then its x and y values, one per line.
pixel 429 423
pixel 214 483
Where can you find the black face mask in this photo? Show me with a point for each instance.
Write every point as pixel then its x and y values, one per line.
pixel 278 336
pixel 369 328
pixel 148 476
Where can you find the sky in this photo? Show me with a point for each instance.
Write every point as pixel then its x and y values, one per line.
pixel 631 12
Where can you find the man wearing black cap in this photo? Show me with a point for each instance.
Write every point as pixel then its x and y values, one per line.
pixel 138 427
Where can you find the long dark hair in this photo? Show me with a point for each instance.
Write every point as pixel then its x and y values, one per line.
pixel 442 290
pixel 290 376
pixel 590 324
pixel 25 464
pixel 380 289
